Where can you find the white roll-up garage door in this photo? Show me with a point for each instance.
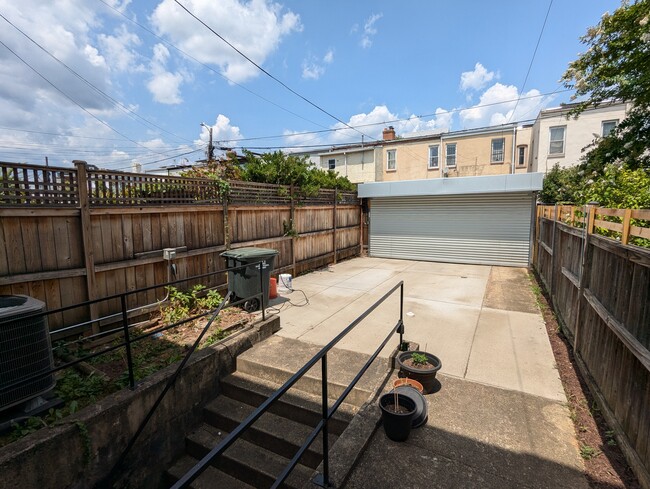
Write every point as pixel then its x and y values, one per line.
pixel 489 229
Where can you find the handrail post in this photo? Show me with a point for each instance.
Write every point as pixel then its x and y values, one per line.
pixel 401 315
pixel 324 479
pixel 127 341
pixel 262 305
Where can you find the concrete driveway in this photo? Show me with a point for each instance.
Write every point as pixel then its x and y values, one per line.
pixel 481 321
pixel 499 419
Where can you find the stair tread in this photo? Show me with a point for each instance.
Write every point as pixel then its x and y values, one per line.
pixel 285 435
pixel 261 389
pixel 259 465
pixel 211 478
pixel 278 358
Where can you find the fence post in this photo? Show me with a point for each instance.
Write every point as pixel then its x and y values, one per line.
pixel 626 226
pixel 292 224
pixel 585 267
pixel 87 239
pixel 360 227
pixel 553 249
pixel 226 225
pixel 334 230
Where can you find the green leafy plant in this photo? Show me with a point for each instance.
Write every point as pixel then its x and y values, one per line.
pixel 588 452
pixel 218 335
pixel 419 359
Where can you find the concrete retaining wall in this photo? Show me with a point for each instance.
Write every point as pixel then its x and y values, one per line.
pixel 83 449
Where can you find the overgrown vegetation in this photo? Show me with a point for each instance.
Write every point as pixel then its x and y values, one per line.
pixel 615 67
pixel 109 371
pixel 276 168
pixel 615 171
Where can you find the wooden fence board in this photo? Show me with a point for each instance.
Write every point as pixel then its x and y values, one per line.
pixel 610 305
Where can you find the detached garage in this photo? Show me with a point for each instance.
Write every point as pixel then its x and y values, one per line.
pixel 480 220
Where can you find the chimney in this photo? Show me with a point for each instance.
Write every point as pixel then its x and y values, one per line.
pixel 389 133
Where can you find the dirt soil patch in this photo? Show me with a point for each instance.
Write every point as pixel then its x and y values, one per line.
pixel 605 464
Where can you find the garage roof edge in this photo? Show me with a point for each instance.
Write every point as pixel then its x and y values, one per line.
pixel 519 182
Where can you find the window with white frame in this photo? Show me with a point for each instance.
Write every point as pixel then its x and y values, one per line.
pixel 609 126
pixel 450 159
pixel 434 157
pixel 498 150
pixel 331 164
pixel 391 160
pixel 521 155
pixel 556 145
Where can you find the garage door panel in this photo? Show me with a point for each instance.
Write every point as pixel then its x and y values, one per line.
pixel 492 229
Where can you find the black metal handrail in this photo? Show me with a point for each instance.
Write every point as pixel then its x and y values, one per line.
pixel 128 341
pixel 327 413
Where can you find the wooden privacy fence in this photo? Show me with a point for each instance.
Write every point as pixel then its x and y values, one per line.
pixel 72 235
pixel 600 289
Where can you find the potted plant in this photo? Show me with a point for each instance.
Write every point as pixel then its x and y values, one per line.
pixel 421 366
pixel 397 412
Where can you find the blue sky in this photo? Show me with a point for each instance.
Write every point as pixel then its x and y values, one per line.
pixel 93 84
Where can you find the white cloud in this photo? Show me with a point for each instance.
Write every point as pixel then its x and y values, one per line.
pixel 476 79
pixel 313 69
pixel 164 85
pixel 222 131
pixel 498 105
pixel 256 28
pixel 369 30
pixel 373 123
pixel 119 49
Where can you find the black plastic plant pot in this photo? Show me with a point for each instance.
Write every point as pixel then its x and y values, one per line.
pixel 396 425
pixel 426 375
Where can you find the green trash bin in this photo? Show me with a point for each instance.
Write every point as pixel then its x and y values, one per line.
pixel 244 283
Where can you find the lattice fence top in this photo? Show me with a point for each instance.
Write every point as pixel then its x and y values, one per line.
pixel 106 188
pixel 23 185
pixel 30 185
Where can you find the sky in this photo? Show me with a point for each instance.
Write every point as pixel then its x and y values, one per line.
pixel 118 83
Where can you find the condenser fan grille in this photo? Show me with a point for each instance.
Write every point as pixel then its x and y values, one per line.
pixel 25 350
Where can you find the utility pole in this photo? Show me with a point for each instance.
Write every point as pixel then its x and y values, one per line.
pixel 210 146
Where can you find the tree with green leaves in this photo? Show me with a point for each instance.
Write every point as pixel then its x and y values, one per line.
pixel 616 66
pixel 288 169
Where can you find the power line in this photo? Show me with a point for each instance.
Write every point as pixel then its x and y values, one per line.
pixel 209 67
pixel 392 121
pixel 269 74
pixel 530 65
pixel 68 97
pixel 91 85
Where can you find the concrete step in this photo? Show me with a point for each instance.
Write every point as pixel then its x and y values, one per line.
pixel 297 405
pixel 211 478
pixel 277 359
pixel 282 435
pixel 246 461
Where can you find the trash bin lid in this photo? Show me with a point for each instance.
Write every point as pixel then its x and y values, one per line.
pixel 250 253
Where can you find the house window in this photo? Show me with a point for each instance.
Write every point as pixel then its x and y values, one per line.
pixel 609 126
pixel 434 160
pixel 556 147
pixel 498 150
pixel 331 164
pixel 521 155
pixel 451 155
pixel 391 160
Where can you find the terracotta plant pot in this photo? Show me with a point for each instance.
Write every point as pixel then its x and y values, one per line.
pixel 425 375
pixel 396 425
pixel 410 382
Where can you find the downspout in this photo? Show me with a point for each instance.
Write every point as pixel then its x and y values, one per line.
pixel 514 136
pixel 345 155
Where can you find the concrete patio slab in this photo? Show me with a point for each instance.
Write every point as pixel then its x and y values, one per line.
pixel 510 350
pixel 499 419
pixel 466 290
pixel 477 436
